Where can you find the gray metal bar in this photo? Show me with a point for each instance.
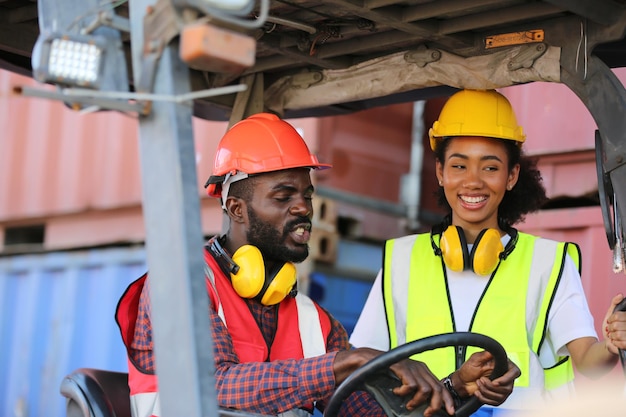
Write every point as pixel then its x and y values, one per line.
pixel 411 183
pixel 171 208
pixel 393 209
pixel 398 210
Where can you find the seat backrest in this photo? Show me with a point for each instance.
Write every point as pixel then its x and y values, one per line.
pixel 96 393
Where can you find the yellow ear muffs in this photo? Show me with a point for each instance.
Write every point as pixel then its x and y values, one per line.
pixel 250 281
pixel 454 248
pixel 250 277
pixel 484 256
pixel 280 286
pixel 486 252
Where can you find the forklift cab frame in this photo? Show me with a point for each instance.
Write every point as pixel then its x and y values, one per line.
pixel 304 51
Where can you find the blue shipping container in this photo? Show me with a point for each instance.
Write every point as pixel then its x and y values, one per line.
pixel 57 315
pixel 343 290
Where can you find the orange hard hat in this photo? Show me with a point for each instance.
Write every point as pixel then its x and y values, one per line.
pixel 260 143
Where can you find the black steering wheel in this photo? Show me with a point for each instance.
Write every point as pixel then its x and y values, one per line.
pixel 376 378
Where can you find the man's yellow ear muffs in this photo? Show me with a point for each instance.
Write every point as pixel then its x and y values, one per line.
pixel 250 281
pixel 280 286
pixel 484 256
pixel 250 277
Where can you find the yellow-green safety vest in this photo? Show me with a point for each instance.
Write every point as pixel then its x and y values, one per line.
pixel 415 284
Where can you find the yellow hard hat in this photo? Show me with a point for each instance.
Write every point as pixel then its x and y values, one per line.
pixel 484 113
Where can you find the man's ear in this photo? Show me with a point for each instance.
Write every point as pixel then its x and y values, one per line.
pixel 236 209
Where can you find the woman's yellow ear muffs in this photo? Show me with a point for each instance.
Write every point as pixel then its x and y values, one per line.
pixel 484 256
pixel 486 252
pixel 454 248
pixel 250 281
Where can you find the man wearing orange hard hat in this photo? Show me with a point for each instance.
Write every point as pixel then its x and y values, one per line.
pixel 276 351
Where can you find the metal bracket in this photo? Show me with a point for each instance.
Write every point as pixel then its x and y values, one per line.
pixel 248 101
pixel 110 19
pixel 422 56
pixel 527 56
pixel 160 26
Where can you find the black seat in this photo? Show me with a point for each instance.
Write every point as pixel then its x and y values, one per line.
pixel 96 393
pixel 99 393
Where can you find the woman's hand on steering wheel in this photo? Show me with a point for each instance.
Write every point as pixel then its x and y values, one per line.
pixel 473 379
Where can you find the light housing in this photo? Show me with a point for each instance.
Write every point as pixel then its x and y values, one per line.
pixel 71 60
pixel 231 7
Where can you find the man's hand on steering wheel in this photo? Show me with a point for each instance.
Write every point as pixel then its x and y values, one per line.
pixel 473 379
pixel 415 378
pixel 418 380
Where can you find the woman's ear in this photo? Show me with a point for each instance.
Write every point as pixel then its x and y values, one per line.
pixel 513 177
pixel 439 172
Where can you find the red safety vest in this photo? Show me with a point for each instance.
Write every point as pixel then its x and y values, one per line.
pixel 290 342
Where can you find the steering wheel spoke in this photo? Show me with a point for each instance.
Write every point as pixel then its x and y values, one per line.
pixel 380 386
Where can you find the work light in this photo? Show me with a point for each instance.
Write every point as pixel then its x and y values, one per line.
pixel 71 60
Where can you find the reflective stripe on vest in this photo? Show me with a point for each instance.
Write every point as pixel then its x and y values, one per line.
pixel 420 291
pixel 563 371
pixel 144 397
pixel 144 400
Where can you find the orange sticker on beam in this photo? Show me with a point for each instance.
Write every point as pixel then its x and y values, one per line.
pixel 514 38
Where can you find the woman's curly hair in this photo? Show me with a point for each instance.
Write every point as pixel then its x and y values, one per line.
pixel 528 195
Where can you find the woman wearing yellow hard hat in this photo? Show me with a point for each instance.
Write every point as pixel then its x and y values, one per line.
pixel 475 272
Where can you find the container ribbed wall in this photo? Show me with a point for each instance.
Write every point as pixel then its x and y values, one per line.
pixel 57 315
pixel 79 174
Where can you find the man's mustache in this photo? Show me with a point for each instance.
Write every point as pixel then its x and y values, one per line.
pixel 296 222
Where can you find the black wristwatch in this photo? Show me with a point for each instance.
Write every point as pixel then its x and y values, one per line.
pixel 447 382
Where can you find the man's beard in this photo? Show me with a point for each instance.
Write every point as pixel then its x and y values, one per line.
pixel 271 243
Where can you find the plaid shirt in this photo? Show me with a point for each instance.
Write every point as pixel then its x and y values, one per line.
pixel 262 387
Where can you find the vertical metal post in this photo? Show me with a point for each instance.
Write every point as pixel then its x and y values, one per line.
pixel 411 183
pixel 171 208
